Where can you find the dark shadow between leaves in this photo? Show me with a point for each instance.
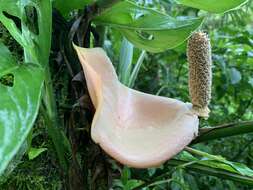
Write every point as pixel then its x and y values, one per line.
pixel 15 19
pixel 32 19
pixel 145 35
pixel 7 80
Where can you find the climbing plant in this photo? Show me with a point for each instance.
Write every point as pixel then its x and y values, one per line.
pixel 26 83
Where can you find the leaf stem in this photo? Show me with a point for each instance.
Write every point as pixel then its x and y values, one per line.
pixel 222 131
pixel 136 69
pixel 213 171
pixel 49 112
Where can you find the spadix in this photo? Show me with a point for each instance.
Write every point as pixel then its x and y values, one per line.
pixel 137 129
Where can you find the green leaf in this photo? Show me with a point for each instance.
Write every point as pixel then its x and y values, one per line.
pixel 36 46
pixel 125 61
pixel 11 6
pixel 251 81
pixel 19 104
pixel 35 152
pixel 206 169
pixel 10 24
pixel 221 163
pixel 66 6
pixel 235 76
pixel 21 83
pixel 178 180
pixel 213 6
pixel 136 69
pixel 146 28
pixel 126 174
pixel 131 184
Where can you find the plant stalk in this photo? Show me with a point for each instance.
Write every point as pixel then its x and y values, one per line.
pixel 213 171
pixel 223 131
pixel 49 112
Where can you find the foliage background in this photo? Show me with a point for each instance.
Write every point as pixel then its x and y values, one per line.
pixel 164 74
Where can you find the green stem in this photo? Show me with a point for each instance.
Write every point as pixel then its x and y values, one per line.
pixel 136 69
pixel 202 154
pixel 225 130
pixel 49 112
pixel 195 167
pixel 213 171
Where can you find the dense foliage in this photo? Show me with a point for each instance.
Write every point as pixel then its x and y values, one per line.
pixel 58 152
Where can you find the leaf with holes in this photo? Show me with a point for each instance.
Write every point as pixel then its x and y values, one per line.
pixel 19 103
pixel 214 6
pixel 146 28
pixel 35 19
pixel 10 6
pixel 29 23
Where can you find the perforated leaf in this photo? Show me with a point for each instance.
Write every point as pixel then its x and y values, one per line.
pixel 19 104
pixel 146 28
pixel 21 83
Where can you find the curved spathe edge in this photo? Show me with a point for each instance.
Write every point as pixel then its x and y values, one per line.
pixel 105 142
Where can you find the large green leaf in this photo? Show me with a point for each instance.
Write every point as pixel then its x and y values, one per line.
pixel 125 60
pixel 218 162
pixel 146 28
pixel 19 104
pixel 36 46
pixel 213 165
pixel 205 169
pixel 11 6
pixel 214 6
pixel 66 6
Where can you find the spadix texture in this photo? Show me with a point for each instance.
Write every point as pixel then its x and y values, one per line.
pixel 137 129
pixel 200 72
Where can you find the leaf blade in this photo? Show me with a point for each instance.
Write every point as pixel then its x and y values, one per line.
pixel 19 108
pixel 66 6
pixel 214 6
pixel 146 28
